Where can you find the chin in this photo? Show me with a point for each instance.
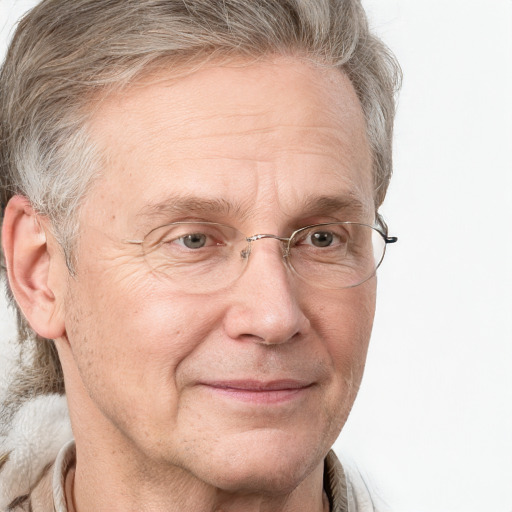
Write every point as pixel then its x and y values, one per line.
pixel 271 463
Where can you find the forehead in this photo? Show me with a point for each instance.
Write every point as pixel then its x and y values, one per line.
pixel 274 134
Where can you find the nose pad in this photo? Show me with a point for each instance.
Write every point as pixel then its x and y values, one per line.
pixel 245 253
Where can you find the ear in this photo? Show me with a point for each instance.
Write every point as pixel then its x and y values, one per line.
pixel 29 263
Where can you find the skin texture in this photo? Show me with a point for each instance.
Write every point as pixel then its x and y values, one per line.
pixel 142 360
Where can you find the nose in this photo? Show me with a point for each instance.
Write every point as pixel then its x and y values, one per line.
pixel 265 303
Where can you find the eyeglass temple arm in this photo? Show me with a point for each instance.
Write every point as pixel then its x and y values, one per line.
pixel 382 223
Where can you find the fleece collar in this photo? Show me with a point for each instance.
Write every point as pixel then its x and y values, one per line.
pixel 37 432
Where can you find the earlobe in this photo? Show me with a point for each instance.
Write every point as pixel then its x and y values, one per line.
pixel 28 262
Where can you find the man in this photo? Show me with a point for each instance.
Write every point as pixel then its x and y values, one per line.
pixel 191 238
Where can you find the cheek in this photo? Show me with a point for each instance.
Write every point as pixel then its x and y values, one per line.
pixel 355 328
pixel 345 324
pixel 130 337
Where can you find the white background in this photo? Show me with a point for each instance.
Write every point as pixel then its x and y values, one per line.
pixel 433 422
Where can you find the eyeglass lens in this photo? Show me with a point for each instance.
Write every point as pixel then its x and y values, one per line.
pixel 201 257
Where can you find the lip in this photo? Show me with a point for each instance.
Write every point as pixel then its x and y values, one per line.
pixel 259 392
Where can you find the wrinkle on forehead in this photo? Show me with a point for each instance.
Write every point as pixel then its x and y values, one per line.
pixel 267 133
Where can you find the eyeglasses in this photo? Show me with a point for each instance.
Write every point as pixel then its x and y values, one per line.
pixel 201 257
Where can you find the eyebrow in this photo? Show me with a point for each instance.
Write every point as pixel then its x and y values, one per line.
pixel 174 206
pixel 178 206
pixel 323 205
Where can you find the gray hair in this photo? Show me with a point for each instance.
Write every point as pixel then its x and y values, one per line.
pixel 66 53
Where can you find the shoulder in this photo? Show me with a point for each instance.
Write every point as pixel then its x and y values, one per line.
pixel 28 449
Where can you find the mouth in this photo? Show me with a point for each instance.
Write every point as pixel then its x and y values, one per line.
pixel 259 392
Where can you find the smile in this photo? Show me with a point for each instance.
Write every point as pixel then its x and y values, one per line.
pixel 258 392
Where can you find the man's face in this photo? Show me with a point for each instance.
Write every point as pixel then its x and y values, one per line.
pixel 247 386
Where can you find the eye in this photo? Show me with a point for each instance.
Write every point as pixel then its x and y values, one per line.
pixel 321 238
pixel 183 246
pixel 196 240
pixel 188 237
pixel 193 241
pixel 180 239
pixel 315 237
